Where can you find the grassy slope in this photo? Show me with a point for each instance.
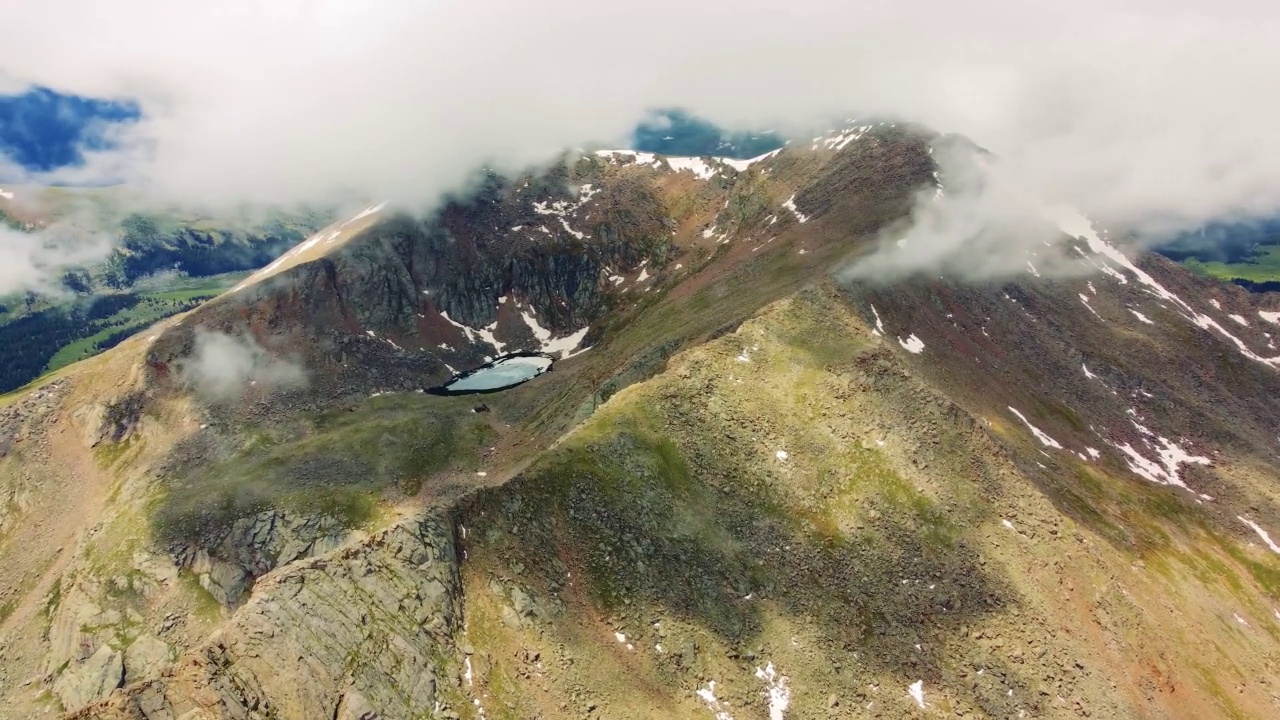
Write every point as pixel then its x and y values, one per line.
pixel 855 567
pixel 154 306
pixel 1263 267
pixel 338 463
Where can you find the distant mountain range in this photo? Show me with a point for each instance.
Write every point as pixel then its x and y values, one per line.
pixel 42 130
pixel 673 131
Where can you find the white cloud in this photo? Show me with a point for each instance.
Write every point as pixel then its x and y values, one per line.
pixel 36 261
pixel 222 367
pixel 1137 111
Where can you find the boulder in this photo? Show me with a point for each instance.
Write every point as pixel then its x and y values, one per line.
pixel 92 680
pixel 147 656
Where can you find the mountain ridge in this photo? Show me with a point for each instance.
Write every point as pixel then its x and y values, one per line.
pixel 760 491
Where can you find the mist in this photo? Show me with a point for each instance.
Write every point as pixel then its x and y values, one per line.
pixel 223 367
pixel 1145 114
pixel 977 223
pixel 36 261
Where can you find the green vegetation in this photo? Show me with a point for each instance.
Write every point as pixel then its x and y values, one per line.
pixel 151 244
pixel 166 261
pixel 47 340
pixel 207 606
pixel 336 465
pixel 1263 266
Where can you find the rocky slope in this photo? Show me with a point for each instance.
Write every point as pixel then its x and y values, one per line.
pixel 751 490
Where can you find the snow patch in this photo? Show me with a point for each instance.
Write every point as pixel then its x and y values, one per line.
pixel 486 334
pixel 1040 434
pixel 372 209
pixel 639 158
pixel 781 455
pixel 708 696
pixel 790 204
pixel 879 326
pixel 1239 319
pixel 777 690
pixel 1266 537
pixel 916 690
pixel 694 165
pixel 567 344
pixel 742 165
pixel 912 344
pixel 541 334
pixel 1141 317
pixel 1163 471
pixel 1271 317
pixel 1085 299
pixel 838 140
pixel 6 194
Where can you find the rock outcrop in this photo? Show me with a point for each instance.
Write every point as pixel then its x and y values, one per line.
pixel 256 545
pixel 93 679
pixel 358 633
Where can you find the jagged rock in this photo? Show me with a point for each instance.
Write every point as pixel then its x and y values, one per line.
pixel 146 657
pixel 510 617
pixel 354 706
pixel 354 632
pixel 79 626
pixel 522 602
pixel 224 581
pixel 256 545
pixel 159 567
pixel 92 680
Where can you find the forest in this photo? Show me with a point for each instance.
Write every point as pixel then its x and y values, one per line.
pixel 54 337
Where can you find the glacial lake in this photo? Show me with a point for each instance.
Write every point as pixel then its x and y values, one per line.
pixel 498 375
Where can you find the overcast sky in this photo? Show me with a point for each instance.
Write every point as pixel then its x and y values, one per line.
pixel 1137 110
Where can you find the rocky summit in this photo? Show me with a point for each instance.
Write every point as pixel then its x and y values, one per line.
pixel 750 486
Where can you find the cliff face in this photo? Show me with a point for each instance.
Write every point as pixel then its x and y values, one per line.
pixel 515 265
pixel 545 262
pixel 361 632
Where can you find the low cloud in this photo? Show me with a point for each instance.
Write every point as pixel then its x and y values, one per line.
pixel 36 261
pixel 978 223
pixel 1143 113
pixel 224 367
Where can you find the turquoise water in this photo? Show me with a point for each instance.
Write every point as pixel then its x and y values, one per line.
pixel 504 373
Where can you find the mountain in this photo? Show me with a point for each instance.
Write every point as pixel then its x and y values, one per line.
pixel 158 263
pixel 747 488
